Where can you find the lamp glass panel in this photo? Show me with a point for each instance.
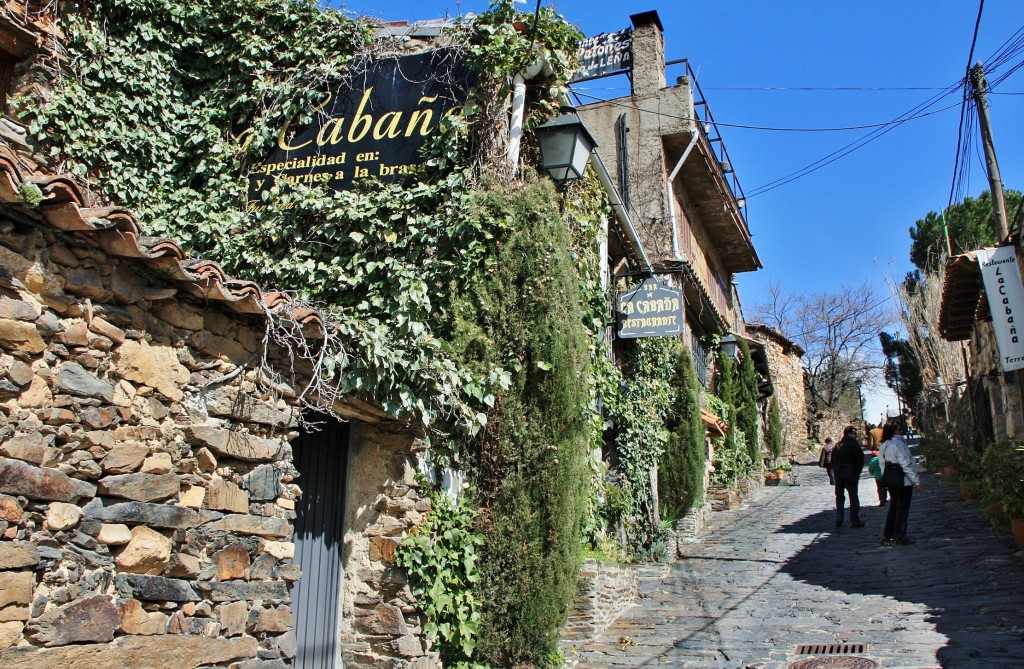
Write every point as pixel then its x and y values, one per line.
pixel 556 148
pixel 581 153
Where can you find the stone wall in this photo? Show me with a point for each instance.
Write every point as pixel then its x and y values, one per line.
pixel 380 623
pixel 146 484
pixel 141 498
pixel 1005 390
pixel 788 382
pixel 604 591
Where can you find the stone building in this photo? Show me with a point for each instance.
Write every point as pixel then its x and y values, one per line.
pixel 787 378
pixel 997 397
pixel 675 180
pixel 165 499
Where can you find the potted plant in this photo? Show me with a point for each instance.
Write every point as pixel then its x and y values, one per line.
pixel 1003 476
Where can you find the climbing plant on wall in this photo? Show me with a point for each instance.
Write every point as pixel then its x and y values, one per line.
pixel 639 409
pixel 469 303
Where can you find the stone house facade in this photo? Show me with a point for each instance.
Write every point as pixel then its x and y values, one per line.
pixel 147 480
pixel 165 499
pixel 787 378
pixel 997 397
pixel 692 225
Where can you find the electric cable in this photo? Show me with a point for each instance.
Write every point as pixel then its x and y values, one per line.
pixel 853 146
pixel 746 126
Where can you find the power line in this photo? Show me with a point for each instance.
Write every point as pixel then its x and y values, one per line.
pixel 852 146
pixel 743 126
pixel 961 162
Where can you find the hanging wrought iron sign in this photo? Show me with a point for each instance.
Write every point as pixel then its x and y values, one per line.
pixel 652 309
pixel 372 125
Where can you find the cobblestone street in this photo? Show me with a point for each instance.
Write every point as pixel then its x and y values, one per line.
pixel 776 574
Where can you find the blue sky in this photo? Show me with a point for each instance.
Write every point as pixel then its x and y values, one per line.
pixel 840 224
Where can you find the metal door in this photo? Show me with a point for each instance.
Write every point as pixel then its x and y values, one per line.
pixel 320 458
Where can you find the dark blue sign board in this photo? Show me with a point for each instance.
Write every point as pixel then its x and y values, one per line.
pixel 606 53
pixel 652 309
pixel 372 125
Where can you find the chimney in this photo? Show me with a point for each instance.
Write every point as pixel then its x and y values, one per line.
pixel 648 53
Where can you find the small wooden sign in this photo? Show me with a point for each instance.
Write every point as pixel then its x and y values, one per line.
pixel 652 309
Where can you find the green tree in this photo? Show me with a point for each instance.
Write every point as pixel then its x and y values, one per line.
pixel 681 468
pixel 776 437
pixel 902 369
pixel 971 225
pixel 746 402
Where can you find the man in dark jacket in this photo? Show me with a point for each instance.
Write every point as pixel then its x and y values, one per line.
pixel 848 461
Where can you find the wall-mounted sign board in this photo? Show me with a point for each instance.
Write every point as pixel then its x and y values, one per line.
pixel 652 309
pixel 1001 274
pixel 372 125
pixel 605 54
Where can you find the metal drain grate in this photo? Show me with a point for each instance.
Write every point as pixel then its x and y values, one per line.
pixel 836 662
pixel 830 649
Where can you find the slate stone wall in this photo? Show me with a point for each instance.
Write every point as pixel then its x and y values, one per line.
pixel 146 485
pixel 604 592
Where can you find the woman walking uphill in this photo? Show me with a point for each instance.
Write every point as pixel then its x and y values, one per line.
pixel 899 473
pixel 847 462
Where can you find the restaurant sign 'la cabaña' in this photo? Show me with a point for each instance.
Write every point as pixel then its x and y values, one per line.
pixel 652 309
pixel 373 125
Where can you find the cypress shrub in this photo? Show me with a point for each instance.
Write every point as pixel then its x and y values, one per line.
pixel 681 468
pixel 776 438
pixel 746 396
pixel 525 314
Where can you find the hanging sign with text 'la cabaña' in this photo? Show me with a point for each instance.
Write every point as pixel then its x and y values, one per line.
pixel 652 309
pixel 372 125
pixel 1001 274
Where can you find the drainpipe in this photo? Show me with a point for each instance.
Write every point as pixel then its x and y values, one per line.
pixel 672 200
pixel 515 135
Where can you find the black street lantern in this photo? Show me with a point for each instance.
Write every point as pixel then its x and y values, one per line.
pixel 730 346
pixel 565 146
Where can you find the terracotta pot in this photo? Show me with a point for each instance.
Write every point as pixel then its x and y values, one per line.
pixel 994 512
pixel 1017 527
pixel 968 491
pixel 948 471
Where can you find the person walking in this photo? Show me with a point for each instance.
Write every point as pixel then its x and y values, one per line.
pixel 900 476
pixel 847 463
pixel 825 459
pixel 875 467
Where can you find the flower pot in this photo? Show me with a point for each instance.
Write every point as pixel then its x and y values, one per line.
pixel 948 471
pixel 1017 527
pixel 968 491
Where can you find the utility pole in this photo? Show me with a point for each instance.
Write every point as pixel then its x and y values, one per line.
pixel 995 182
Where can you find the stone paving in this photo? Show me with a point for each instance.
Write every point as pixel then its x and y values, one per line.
pixel 776 573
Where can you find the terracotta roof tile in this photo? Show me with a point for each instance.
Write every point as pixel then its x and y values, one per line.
pixel 961 297
pixel 68 207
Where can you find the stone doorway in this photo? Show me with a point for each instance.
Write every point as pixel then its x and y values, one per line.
pixel 321 459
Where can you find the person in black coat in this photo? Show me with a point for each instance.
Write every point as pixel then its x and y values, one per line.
pixel 848 462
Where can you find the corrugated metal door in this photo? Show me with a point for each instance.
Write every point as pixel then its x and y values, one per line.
pixel 320 458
